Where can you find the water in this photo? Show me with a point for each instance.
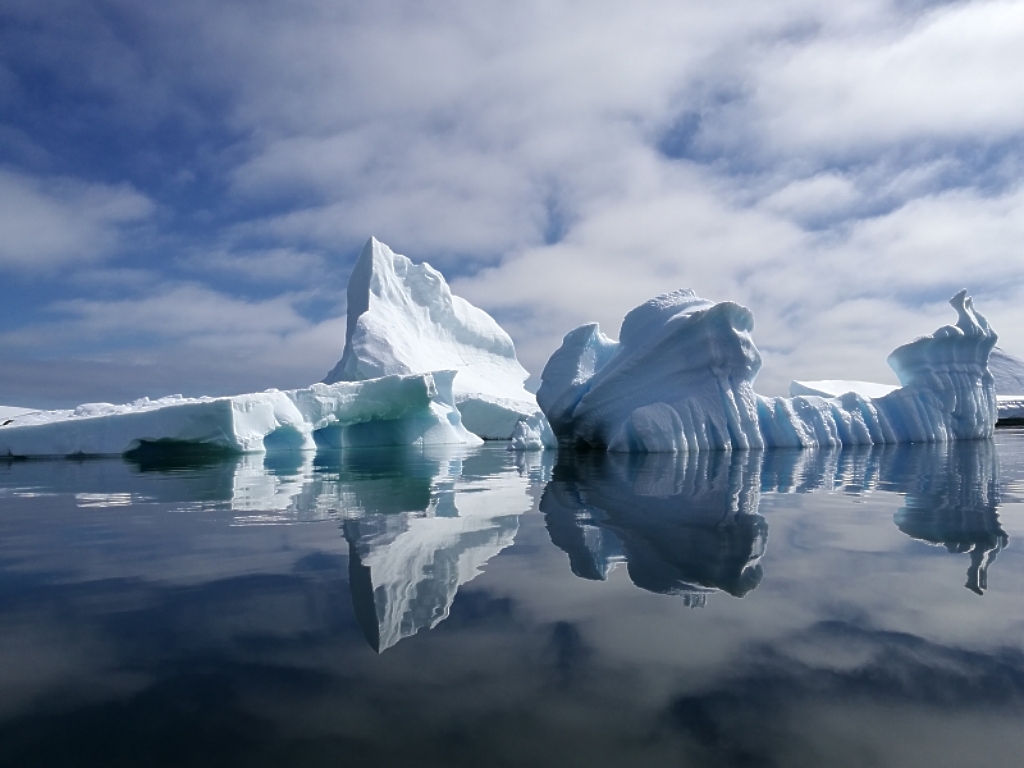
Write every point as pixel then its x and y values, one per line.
pixel 393 607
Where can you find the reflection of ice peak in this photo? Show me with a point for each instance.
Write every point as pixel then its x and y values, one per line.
pixel 408 559
pixel 406 568
pixel 953 502
pixel 684 524
pixel 593 550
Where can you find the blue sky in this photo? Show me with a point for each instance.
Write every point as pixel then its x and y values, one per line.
pixel 184 187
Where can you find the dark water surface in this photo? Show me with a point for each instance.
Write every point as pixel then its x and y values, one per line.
pixel 393 607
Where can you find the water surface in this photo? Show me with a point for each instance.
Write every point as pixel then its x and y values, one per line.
pixel 393 607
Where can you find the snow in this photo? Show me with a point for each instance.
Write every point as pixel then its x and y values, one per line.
pixel 1008 372
pixel 1010 407
pixel 837 387
pixel 680 379
pixel 533 434
pixel 10 412
pixel 392 410
pixel 404 319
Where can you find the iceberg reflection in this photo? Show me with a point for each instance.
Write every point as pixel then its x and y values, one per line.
pixel 688 524
pixel 410 551
pixel 419 522
pixel 952 494
pixel 683 524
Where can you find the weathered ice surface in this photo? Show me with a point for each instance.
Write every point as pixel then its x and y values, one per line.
pixel 393 410
pixel 680 379
pixel 403 318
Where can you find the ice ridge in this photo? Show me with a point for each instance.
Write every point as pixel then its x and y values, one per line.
pixel 681 376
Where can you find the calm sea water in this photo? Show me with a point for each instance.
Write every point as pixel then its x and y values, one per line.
pixel 394 607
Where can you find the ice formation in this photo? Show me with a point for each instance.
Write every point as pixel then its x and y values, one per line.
pixel 391 410
pixel 1007 374
pixel 680 379
pixel 403 318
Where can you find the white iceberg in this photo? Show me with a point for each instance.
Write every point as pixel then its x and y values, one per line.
pixel 392 410
pixel 680 379
pixel 1007 374
pixel 404 319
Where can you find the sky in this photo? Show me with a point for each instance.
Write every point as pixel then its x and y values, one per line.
pixel 184 187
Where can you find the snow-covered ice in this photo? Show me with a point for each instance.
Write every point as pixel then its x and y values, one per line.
pixel 403 318
pixel 392 410
pixel 10 412
pixel 1011 408
pixel 1007 374
pixel 838 387
pixel 680 379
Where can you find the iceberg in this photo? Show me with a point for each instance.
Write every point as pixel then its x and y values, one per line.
pixel 391 410
pixel 11 412
pixel 404 319
pixel 1007 374
pixel 680 378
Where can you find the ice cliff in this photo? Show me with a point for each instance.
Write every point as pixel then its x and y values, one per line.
pixel 403 319
pixel 681 376
pixel 392 410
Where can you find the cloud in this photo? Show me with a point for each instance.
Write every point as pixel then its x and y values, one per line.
pixel 839 168
pixel 184 338
pixel 942 77
pixel 827 304
pixel 280 266
pixel 49 222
